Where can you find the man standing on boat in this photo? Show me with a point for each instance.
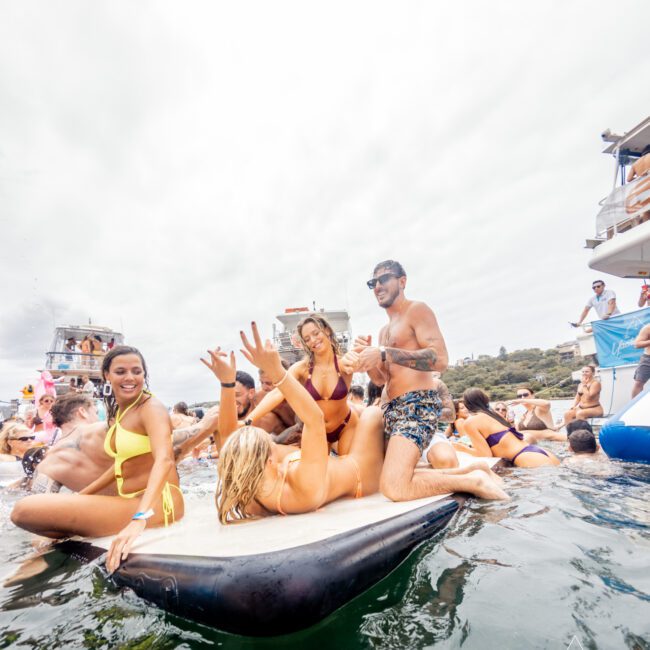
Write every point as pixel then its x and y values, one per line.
pixel 604 302
pixel 411 348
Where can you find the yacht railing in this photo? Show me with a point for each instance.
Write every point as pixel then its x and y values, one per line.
pixel 626 207
pixel 81 361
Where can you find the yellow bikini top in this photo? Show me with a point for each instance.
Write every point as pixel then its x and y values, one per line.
pixel 127 445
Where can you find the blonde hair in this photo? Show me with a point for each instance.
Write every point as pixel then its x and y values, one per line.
pixel 322 324
pixel 5 434
pixel 242 461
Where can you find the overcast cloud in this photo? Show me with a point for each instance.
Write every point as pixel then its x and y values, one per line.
pixel 174 170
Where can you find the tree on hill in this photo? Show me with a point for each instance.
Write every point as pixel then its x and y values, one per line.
pixel 543 370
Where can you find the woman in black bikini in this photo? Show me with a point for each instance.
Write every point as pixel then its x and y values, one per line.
pixel 321 373
pixel 492 435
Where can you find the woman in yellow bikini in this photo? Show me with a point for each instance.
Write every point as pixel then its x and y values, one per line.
pixel 139 439
pixel 258 477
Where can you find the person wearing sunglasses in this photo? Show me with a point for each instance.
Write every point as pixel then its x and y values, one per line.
pixel 15 440
pixel 603 302
pixel 502 409
pixel 411 347
pixel 536 423
pixel 44 426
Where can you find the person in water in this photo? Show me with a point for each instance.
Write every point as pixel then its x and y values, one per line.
pixel 411 348
pixel 139 439
pixel 324 378
pixel 15 439
pixel 258 477
pixel 587 401
pixel 492 435
pixel 536 423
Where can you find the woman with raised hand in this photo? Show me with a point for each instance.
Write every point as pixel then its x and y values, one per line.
pixel 140 440
pixel 326 378
pixel 258 477
pixel 493 435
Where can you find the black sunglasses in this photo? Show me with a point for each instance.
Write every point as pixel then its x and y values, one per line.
pixel 519 395
pixel 23 438
pixel 382 279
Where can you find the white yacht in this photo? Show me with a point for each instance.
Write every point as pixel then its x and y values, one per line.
pixel 621 247
pixel 283 339
pixel 63 362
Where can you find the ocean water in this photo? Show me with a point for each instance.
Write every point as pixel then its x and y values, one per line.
pixel 565 561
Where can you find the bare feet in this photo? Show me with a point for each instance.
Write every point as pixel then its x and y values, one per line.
pixel 483 466
pixel 485 487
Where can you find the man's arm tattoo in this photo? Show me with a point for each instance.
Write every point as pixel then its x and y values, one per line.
pixel 423 360
pixel 42 484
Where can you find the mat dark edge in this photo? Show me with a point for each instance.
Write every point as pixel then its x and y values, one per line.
pixel 283 591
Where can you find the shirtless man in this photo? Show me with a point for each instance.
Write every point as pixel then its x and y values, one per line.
pixel 282 416
pixel 411 348
pixel 78 457
pixel 642 373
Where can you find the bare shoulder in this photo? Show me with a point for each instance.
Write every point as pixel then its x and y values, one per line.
pixel 299 369
pixel 419 311
pixel 153 409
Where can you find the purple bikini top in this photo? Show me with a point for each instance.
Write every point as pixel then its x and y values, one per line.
pixel 494 438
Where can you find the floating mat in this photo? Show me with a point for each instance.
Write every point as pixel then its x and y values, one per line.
pixel 278 574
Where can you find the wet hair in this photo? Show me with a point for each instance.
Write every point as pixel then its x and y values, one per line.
pixel 357 391
pixel 180 407
pixel 65 407
pixel 391 265
pixel 477 401
pixel 321 323
pixel 241 466
pixel 374 392
pixel 574 425
pixel 245 379
pixel 6 433
pixel 119 351
pixel 582 441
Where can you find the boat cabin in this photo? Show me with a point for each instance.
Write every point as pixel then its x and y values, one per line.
pixel 622 241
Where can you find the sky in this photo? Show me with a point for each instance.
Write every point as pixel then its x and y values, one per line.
pixel 176 170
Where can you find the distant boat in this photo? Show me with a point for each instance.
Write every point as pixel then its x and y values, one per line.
pixel 74 364
pixel 283 339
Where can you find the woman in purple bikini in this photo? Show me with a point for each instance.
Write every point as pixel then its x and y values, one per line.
pixel 493 435
pixel 320 372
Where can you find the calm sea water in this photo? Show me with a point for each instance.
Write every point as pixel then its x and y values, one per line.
pixel 566 558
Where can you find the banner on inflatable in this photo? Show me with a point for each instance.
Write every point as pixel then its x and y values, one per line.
pixel 614 338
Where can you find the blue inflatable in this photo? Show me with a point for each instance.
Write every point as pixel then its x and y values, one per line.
pixel 626 436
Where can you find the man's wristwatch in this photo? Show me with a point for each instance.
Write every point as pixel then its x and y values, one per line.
pixel 382 349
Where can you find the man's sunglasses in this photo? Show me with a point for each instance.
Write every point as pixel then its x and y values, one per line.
pixel 23 438
pixel 382 279
pixel 520 395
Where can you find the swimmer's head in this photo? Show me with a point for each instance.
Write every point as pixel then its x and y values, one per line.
pixel 242 463
pixel 357 393
pixel 582 441
pixel 15 438
pixel 313 333
pixel 125 370
pixel 74 406
pixel 574 425
pixel 181 407
pixel 389 280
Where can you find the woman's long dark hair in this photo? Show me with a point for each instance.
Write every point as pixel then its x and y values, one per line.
pixel 477 401
pixel 118 351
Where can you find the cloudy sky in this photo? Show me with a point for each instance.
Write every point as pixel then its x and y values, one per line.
pixel 176 169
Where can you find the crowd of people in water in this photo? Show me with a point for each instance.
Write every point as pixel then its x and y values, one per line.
pixel 306 437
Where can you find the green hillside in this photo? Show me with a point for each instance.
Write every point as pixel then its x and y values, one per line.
pixel 544 370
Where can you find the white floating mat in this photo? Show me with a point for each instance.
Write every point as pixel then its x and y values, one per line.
pixel 200 534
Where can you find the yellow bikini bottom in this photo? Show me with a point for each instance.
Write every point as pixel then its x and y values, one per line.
pixel 167 500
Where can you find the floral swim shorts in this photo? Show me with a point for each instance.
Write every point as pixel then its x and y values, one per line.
pixel 413 416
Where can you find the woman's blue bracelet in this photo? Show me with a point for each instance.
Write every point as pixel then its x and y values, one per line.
pixel 143 515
